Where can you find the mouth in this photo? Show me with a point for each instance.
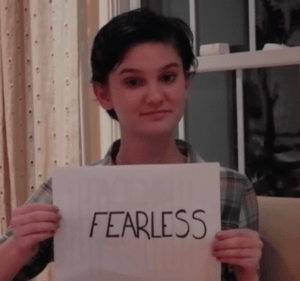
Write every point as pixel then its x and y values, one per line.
pixel 155 112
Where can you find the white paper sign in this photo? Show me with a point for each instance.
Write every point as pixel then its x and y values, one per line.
pixel 134 223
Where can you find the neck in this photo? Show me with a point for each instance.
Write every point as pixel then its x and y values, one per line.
pixel 145 150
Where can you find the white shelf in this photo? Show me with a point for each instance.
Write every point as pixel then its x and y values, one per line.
pixel 245 60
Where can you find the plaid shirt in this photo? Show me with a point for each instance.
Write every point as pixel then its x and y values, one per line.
pixel 238 206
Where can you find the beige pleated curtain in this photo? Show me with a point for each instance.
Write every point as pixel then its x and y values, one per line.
pixel 41 73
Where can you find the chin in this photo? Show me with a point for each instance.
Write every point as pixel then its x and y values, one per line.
pixel 157 131
pixel 158 128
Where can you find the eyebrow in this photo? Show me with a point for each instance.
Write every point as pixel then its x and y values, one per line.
pixel 126 70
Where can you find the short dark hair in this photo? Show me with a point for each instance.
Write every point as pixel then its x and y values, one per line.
pixel 120 34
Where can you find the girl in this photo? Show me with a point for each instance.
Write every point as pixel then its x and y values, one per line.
pixel 141 71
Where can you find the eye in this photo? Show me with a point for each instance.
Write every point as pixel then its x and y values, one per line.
pixel 133 82
pixel 168 78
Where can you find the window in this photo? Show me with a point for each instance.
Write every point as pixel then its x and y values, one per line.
pixel 247 26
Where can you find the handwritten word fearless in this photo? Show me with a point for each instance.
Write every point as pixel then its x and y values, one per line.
pixel 140 223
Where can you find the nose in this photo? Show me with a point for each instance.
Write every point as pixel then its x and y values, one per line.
pixel 154 94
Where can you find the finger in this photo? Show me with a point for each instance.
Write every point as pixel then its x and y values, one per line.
pixel 33 217
pixel 244 263
pixel 27 208
pixel 235 243
pixel 225 234
pixel 35 228
pixel 238 253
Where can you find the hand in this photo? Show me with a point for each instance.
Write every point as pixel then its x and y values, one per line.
pixel 239 247
pixel 33 223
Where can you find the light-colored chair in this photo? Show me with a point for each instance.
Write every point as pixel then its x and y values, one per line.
pixel 280 232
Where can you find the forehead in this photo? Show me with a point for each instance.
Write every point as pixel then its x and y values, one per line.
pixel 149 56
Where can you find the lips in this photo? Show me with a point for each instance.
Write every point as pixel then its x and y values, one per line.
pixel 155 112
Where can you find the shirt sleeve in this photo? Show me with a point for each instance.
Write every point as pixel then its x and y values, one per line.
pixel 249 208
pixel 242 201
pixel 44 253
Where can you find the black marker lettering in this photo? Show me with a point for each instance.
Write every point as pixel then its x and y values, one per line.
pixel 200 211
pixel 181 219
pixel 128 225
pixel 164 225
pixel 94 222
pixel 109 225
pixel 138 227
pixel 152 226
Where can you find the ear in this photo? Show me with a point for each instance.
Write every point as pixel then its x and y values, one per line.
pixel 187 78
pixel 187 83
pixel 103 96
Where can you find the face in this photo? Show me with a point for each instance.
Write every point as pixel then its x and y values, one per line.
pixel 147 90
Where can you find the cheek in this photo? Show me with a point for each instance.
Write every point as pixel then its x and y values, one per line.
pixel 126 103
pixel 179 95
